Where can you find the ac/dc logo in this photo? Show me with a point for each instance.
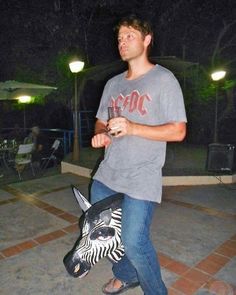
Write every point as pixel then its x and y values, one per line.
pixel 133 102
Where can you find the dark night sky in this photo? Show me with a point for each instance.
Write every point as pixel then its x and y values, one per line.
pixel 35 33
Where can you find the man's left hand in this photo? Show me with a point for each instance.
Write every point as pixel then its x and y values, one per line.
pixel 121 125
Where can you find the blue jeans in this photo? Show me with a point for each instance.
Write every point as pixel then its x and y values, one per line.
pixel 140 263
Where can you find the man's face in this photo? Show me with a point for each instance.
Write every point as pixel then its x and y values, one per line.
pixel 131 43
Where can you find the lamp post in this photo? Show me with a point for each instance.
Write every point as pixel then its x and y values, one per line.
pixel 75 68
pixel 216 76
pixel 24 99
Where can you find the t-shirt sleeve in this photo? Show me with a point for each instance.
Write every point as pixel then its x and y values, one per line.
pixel 102 113
pixel 172 100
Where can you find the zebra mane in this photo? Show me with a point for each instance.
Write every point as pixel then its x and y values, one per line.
pixel 113 202
pixel 119 251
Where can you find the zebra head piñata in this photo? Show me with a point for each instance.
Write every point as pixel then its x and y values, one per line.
pixel 100 235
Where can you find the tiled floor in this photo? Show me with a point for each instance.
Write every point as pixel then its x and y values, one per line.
pixel 194 231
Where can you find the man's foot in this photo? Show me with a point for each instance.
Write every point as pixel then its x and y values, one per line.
pixel 115 286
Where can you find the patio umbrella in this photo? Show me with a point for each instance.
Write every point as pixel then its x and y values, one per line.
pixel 12 89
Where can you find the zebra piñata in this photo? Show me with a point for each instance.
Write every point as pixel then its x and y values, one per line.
pixel 100 237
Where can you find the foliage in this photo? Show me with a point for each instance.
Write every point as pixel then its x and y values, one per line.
pixel 229 84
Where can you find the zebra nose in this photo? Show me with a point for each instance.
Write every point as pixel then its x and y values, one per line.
pixel 72 267
pixel 77 268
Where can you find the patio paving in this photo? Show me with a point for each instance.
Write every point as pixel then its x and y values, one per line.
pixel 194 231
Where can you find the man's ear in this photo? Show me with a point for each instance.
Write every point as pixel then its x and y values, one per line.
pixel 147 40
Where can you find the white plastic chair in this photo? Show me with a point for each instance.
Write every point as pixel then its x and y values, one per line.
pixel 51 157
pixel 24 158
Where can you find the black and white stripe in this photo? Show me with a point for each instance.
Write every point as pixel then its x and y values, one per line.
pixel 92 251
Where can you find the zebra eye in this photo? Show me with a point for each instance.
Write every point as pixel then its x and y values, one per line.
pixel 101 238
pixel 102 234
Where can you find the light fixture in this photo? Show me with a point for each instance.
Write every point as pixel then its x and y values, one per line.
pixel 24 98
pixel 218 75
pixel 75 67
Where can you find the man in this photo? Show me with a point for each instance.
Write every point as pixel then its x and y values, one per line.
pixel 152 113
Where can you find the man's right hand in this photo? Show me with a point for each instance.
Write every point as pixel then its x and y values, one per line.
pixel 101 140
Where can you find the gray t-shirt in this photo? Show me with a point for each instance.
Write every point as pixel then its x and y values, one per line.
pixel 132 165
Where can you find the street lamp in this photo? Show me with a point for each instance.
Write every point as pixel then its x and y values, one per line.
pixel 75 68
pixel 216 76
pixel 24 99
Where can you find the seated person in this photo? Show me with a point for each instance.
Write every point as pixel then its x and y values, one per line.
pixel 35 137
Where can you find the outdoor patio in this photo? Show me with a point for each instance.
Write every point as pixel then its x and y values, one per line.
pixel 57 57
pixel 194 231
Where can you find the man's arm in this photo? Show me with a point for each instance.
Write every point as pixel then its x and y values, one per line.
pixel 100 127
pixel 173 131
pixel 101 137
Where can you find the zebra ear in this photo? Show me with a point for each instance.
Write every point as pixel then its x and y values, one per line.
pixel 83 202
pixel 106 216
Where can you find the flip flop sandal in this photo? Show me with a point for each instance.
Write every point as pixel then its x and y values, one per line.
pixel 109 288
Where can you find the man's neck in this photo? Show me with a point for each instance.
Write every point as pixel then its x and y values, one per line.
pixel 138 68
